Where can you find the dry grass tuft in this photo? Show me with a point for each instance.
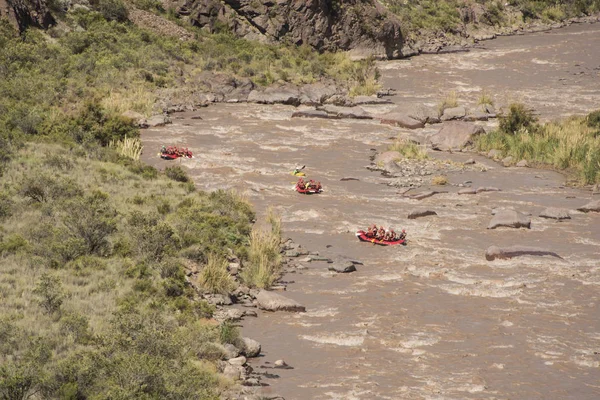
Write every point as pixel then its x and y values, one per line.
pixel 409 150
pixel 450 101
pixel 264 254
pixel 128 147
pixel 214 277
pixel 439 180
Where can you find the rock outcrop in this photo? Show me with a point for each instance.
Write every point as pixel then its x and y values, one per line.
pixel 364 27
pixel 25 13
pixel 455 136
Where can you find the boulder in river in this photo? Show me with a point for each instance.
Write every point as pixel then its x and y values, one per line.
pixel 495 252
pixel 342 267
pixel 455 136
pixel 250 347
pixel 312 114
pixel 271 301
pixel 555 213
pixel 401 120
pixel 593 206
pixel 510 219
pixel 346 112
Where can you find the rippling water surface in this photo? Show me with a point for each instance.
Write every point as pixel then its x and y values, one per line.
pixel 434 319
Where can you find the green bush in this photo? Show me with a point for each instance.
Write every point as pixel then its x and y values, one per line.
pixel 518 118
pixel 49 289
pixel 112 10
pixel 177 174
pixel 91 219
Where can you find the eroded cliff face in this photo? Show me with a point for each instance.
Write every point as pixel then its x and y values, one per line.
pixel 362 26
pixel 24 13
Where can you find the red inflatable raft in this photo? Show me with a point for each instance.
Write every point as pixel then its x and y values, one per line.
pixel 362 236
pixel 308 191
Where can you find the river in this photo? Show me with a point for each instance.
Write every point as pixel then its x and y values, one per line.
pixel 434 319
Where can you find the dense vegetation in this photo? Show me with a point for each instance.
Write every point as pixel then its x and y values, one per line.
pixel 450 16
pixel 94 245
pixel 94 251
pixel 572 144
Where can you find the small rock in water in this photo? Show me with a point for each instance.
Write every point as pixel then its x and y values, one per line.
pixel 281 364
pixel 470 161
pixel 342 267
pixel 555 213
pixel 523 164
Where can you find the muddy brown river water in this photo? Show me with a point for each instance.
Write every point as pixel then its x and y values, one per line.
pixel 434 319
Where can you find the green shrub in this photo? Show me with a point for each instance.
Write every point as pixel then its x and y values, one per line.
pixel 177 174
pixel 92 219
pixel 49 289
pixel 229 333
pixel 76 326
pixel 518 118
pixel 13 243
pixel 112 10
pixel 6 205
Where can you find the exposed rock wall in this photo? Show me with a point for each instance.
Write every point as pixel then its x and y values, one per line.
pixel 24 13
pixel 362 26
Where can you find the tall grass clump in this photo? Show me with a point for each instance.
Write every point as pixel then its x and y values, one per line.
pixel 214 277
pixel 450 101
pixel 128 147
pixel 264 258
pixel 485 98
pixel 408 149
pixel 571 145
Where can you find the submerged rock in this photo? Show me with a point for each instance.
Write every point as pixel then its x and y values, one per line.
pixel 495 252
pixel 401 120
pixel 420 213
